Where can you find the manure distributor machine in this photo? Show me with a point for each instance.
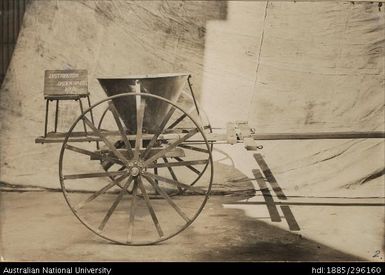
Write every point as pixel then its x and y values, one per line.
pixel 143 172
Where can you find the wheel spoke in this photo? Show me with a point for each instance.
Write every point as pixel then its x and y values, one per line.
pixel 177 121
pixel 93 155
pixel 106 141
pixel 158 131
pixel 114 205
pixel 196 171
pixel 122 129
pixel 121 169
pixel 100 192
pixel 180 162
pixel 194 148
pixel 156 173
pixel 150 208
pixel 140 104
pixel 132 212
pixel 176 183
pixel 80 150
pixel 109 162
pixel 171 146
pixel 168 199
pixel 92 175
pixel 172 174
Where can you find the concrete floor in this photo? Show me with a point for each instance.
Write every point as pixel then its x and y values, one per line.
pixel 38 226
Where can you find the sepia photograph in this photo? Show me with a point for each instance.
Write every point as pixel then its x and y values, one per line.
pixel 191 131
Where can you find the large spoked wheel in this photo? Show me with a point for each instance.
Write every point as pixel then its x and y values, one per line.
pixel 146 195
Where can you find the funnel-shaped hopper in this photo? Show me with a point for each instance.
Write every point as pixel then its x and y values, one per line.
pixel 168 86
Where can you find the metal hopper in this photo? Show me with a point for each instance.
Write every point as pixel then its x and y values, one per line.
pixel 168 86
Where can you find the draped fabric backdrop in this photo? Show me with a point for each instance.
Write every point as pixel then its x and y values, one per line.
pixel 283 66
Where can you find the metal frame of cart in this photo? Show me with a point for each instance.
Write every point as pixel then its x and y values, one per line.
pixel 142 147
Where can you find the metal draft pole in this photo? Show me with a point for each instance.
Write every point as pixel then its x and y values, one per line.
pixel 320 135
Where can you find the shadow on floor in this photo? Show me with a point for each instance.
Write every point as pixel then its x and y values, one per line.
pixel 230 235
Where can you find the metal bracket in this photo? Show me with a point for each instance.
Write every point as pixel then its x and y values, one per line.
pixel 240 131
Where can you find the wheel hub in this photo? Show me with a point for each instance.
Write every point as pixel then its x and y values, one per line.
pixel 135 171
pixel 136 168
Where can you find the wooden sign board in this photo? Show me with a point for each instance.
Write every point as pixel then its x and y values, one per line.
pixel 62 83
